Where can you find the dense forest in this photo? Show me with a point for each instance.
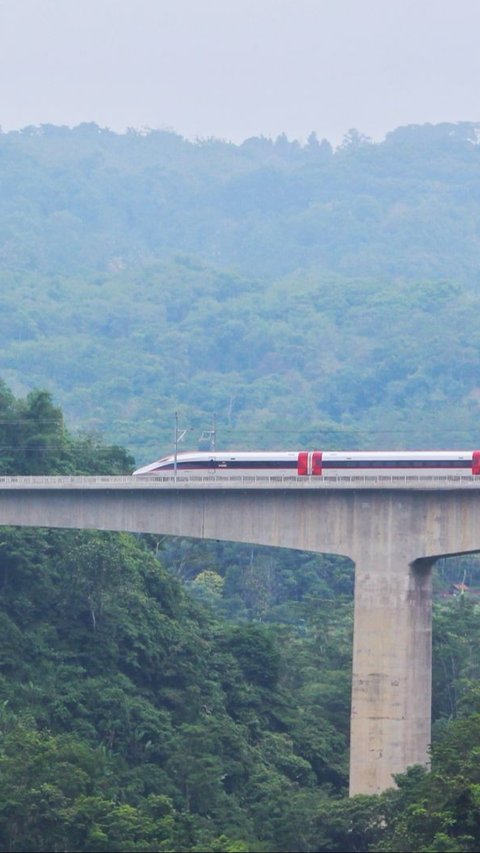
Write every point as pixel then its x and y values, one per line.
pixel 165 694
pixel 160 695
pixel 299 294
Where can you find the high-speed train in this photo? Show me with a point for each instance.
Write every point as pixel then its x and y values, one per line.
pixel 317 463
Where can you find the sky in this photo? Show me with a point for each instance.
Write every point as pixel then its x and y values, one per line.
pixel 233 69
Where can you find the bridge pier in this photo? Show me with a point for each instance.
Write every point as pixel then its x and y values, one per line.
pixel 391 677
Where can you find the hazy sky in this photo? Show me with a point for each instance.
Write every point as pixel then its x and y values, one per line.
pixel 239 68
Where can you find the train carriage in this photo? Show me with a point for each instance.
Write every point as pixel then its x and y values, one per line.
pixel 318 463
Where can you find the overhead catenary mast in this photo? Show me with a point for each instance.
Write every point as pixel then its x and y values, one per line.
pixel 208 437
pixel 179 434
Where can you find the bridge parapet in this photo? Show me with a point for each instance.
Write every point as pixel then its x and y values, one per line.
pixel 245 481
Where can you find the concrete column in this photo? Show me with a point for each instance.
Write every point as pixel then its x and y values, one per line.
pixel 391 683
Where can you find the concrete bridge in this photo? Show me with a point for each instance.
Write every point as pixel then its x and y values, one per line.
pixel 393 530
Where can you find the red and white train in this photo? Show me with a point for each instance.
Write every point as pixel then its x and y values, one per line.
pixel 318 463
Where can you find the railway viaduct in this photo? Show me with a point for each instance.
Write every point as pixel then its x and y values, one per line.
pixel 393 531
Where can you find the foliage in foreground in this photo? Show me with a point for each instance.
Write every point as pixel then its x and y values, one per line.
pixel 133 719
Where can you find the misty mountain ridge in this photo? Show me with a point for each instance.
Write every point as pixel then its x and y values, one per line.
pixel 302 294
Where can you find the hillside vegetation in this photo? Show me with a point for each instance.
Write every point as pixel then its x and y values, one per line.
pixel 304 296
pixel 162 694
pixel 136 718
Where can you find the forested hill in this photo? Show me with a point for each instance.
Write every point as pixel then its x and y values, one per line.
pixel 134 718
pixel 87 199
pixel 302 295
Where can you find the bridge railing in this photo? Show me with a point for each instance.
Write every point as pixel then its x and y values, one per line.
pixel 244 481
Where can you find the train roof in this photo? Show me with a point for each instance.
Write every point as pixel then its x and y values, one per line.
pixel 368 455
